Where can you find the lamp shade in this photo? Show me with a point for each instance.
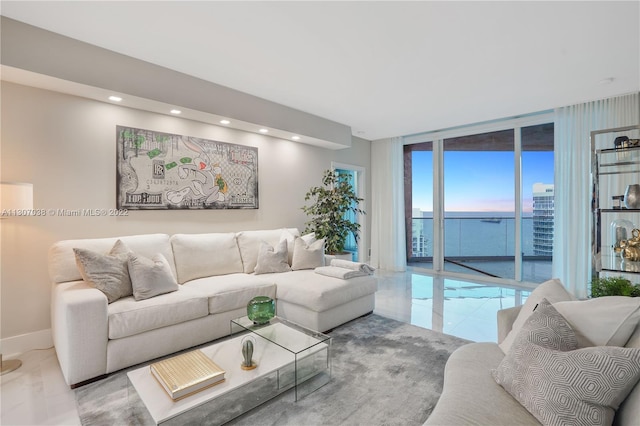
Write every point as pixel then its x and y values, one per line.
pixel 16 196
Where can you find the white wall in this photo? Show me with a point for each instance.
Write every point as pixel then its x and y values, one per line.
pixel 66 147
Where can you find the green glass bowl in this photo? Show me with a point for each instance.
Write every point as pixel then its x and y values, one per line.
pixel 261 309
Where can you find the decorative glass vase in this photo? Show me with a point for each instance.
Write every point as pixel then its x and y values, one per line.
pixel 632 196
pixel 261 309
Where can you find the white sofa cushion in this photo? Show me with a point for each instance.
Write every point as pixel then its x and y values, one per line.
pixel 603 321
pixel 233 291
pixel 249 244
pixel 471 397
pixel 204 255
pixel 128 317
pixel 62 261
pixel 150 277
pixel 318 292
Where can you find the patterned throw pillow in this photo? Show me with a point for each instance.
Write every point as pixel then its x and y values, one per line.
pixel 560 384
pixel 552 290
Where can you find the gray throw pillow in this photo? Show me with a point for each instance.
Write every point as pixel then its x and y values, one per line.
pixel 548 328
pixel 560 384
pixel 272 260
pixel 150 277
pixel 108 273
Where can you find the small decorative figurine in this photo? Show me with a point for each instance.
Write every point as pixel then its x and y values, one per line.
pixel 247 354
pixel 631 248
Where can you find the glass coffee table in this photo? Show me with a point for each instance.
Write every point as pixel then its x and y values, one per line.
pixel 309 352
pixel 287 356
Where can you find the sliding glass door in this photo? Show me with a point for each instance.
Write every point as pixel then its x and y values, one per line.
pixel 481 204
pixel 537 202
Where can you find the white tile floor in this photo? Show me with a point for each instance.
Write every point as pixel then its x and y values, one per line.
pixel 36 393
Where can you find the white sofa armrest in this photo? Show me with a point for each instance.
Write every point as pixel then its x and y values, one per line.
pixel 79 323
pixel 506 318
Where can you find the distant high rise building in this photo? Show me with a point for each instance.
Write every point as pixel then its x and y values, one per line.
pixel 543 211
pixel 418 239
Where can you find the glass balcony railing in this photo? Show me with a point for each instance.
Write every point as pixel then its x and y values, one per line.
pixel 478 241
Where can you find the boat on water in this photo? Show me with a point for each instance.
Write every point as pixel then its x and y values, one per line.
pixel 491 220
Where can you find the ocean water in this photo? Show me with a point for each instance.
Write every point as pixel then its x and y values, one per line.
pixel 477 233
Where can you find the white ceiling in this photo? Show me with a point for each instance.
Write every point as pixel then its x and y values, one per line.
pixel 384 68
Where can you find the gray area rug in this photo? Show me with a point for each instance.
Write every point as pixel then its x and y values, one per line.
pixel 384 372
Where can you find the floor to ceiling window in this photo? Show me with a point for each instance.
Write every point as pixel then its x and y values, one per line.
pixel 482 203
pixel 537 202
pixel 479 204
pixel 418 164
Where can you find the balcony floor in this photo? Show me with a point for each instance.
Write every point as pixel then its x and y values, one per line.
pixel 533 271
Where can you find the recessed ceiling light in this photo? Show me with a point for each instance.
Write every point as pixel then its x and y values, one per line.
pixel 225 122
pixel 295 138
pixel 263 131
pixel 115 98
pixel 175 111
pixel 607 80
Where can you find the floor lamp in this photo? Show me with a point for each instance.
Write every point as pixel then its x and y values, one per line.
pixel 16 200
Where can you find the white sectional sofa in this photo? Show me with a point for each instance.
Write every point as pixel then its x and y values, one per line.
pixel 215 280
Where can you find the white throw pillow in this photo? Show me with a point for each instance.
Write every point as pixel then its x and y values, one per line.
pixel 309 238
pixel 108 273
pixel 289 235
pixel 150 277
pixel 603 321
pixel 205 255
pixel 307 256
pixel 272 260
pixel 552 290
pixel 249 244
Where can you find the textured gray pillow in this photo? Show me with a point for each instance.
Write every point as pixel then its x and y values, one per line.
pixel 108 273
pixel 307 256
pixel 548 328
pixel 151 277
pixel 552 290
pixel 560 384
pixel 271 260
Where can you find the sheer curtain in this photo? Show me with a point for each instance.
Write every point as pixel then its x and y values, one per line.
pixel 388 248
pixel 572 238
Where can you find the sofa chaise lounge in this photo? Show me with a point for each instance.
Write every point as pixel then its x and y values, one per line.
pixel 215 278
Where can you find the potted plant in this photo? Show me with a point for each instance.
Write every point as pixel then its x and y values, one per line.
pixel 613 286
pixel 330 203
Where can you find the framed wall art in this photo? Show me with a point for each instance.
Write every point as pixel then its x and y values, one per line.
pixel 163 171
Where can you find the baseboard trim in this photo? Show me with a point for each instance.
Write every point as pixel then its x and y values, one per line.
pixel 16 345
